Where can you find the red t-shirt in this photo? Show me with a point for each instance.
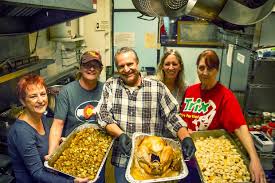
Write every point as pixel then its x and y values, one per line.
pixel 217 108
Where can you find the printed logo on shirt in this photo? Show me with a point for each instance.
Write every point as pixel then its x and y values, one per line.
pixel 86 111
pixel 202 112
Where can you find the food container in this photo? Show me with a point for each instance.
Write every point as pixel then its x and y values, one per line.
pixel 266 116
pixel 136 139
pixel 216 134
pixel 50 163
pixel 271 129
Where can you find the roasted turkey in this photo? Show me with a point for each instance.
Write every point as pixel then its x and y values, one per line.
pixel 154 158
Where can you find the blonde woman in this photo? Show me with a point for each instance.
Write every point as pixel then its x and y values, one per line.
pixel 171 72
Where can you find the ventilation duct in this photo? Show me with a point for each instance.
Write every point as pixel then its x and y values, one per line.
pixel 27 16
pixel 235 12
pixel 156 8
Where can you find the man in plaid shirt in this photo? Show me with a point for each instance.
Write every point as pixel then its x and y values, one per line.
pixel 131 103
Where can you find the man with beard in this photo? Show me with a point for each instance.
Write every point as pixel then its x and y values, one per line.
pixel 75 104
pixel 131 103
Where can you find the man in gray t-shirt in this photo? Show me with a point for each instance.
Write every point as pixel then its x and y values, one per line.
pixel 76 103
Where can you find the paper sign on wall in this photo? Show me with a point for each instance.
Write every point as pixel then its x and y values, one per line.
pixel 150 40
pixel 229 55
pixel 122 39
pixel 240 58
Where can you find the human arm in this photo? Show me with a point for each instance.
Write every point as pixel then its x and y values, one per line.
pixel 105 119
pixel 176 123
pixel 255 166
pixel 23 145
pixel 113 130
pixel 125 142
pixel 104 109
pixel 55 135
pixel 60 115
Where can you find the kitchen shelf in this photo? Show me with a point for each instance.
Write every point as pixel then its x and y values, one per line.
pixel 71 71
pixel 41 64
pixel 69 40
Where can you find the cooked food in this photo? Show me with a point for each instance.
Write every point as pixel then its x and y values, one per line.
pixel 219 161
pixel 85 154
pixel 154 158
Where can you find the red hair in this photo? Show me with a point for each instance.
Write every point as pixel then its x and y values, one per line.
pixel 25 81
pixel 211 59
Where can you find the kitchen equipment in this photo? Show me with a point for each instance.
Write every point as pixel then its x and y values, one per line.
pixel 235 12
pixel 262 142
pixel 52 92
pixel 49 164
pixel 271 129
pixel 266 52
pixel 171 8
pixel 136 139
pixel 26 16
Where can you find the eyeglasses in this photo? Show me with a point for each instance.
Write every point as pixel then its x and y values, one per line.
pixel 90 65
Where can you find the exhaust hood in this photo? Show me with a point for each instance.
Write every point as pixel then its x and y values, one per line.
pixel 27 16
pixel 234 13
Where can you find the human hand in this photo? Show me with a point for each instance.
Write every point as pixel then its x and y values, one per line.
pixel 62 139
pixel 47 157
pixel 256 171
pixel 188 147
pixel 81 180
pixel 125 144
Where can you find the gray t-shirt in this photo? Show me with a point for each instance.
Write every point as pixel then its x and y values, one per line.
pixel 75 105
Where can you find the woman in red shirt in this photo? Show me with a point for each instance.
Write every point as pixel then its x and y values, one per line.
pixel 210 105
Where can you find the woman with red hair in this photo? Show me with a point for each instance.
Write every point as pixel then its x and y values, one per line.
pixel 28 137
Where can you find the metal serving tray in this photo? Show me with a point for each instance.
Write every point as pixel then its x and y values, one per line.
pixel 49 164
pixel 216 134
pixel 137 137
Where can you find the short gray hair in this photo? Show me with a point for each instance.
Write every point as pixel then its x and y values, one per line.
pixel 126 50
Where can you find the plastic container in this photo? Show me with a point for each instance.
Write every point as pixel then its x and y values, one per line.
pixel 271 129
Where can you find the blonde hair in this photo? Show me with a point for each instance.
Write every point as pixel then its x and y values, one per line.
pixel 180 80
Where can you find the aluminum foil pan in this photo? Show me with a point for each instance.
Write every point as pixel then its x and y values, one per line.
pixel 49 164
pixel 216 134
pixel 136 139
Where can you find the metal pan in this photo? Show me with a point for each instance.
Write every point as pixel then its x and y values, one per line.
pixel 49 164
pixel 136 139
pixel 216 134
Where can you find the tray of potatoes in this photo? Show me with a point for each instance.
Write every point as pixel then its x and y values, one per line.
pixel 219 159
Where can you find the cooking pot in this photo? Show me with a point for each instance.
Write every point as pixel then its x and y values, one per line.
pixel 52 92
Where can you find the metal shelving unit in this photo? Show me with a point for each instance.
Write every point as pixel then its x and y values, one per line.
pixel 261 86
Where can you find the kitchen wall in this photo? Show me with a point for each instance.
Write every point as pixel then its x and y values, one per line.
pixel 100 40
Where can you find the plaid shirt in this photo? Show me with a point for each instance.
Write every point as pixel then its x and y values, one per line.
pixel 148 108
